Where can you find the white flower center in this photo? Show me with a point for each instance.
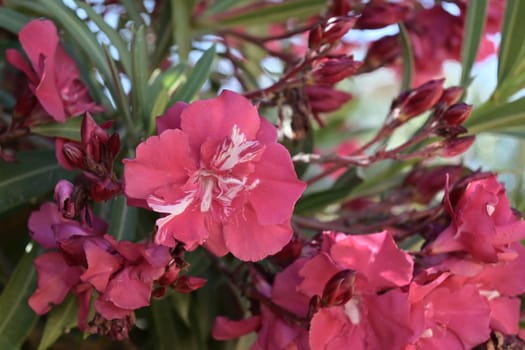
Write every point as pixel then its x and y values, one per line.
pixel 352 311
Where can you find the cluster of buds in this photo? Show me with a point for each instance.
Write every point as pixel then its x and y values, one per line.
pixel 94 155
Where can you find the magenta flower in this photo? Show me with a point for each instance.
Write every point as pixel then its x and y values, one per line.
pixel 221 178
pixel 483 223
pixel 358 278
pixel 53 76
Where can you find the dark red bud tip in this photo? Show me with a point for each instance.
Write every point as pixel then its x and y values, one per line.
pixel 315 37
pixel 336 28
pixel 159 292
pixel 457 114
pixel 339 289
pixel 457 146
pixel 452 95
pixel 289 253
pixel 420 99
pixel 381 14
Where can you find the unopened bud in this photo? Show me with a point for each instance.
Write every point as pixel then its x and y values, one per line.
pixel 289 253
pixel 339 289
pixel 336 28
pixel 456 146
pixel 315 37
pixel 457 114
pixel 324 99
pixel 169 276
pixel 451 95
pixel 419 100
pixel 333 70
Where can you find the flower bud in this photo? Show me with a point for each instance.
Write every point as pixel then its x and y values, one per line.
pixel 452 95
pixel 457 114
pixel 336 28
pixel 289 253
pixel 315 37
pixel 333 70
pixel 456 146
pixel 419 100
pixel 325 99
pixel 339 289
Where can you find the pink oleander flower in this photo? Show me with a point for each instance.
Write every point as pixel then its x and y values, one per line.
pixel 448 314
pixel 483 223
pixel 365 306
pixel 221 178
pixel 53 75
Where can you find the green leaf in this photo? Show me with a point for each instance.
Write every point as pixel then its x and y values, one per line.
pixel 113 36
pixel 476 12
pixel 6 99
pixel 11 20
pixel 68 130
pixel 119 94
pixel 132 11
pixel 18 319
pixel 172 332
pixel 81 32
pixel 271 13
pixel 33 175
pixel 123 219
pixel 139 74
pixel 408 58
pixel 181 14
pixel 221 6
pixel 340 190
pixel 512 46
pixel 496 118
pixel 59 320
pixel 196 78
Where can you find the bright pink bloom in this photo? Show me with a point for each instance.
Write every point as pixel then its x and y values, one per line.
pixel 366 319
pixel 221 177
pixel 53 76
pixel 448 314
pixel 483 223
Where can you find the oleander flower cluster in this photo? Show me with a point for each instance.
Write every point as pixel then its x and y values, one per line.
pixel 204 174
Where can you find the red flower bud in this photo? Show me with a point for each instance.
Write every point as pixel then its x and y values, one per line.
pixel 325 99
pixel 381 14
pixel 315 37
pixel 289 253
pixel 456 146
pixel 452 95
pixel 333 70
pixel 457 114
pixel 339 289
pixel 382 52
pixel 336 28
pixel 419 100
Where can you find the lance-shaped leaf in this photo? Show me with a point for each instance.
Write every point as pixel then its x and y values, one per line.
pixel 196 78
pixel 497 118
pixel 408 58
pixel 59 320
pixel 34 175
pixel 512 48
pixel 17 318
pixel 123 219
pixel 476 12
pixel 11 20
pixel 68 130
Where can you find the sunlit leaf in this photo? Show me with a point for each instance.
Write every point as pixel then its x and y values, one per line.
pixel 68 130
pixel 17 317
pixel 196 78
pixel 11 20
pixel 113 36
pixel 512 46
pixel 59 320
pixel 496 118
pixel 270 13
pixel 181 14
pixel 408 58
pixel 123 219
pixel 33 175
pixel 475 21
